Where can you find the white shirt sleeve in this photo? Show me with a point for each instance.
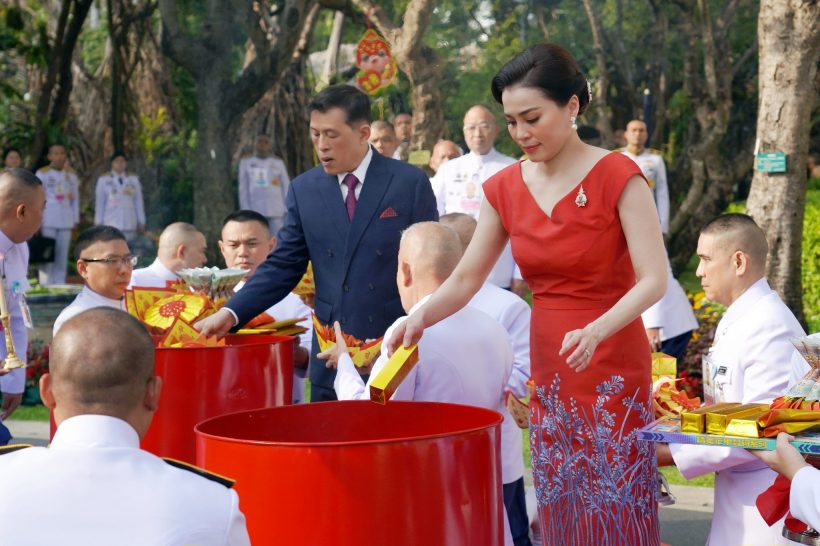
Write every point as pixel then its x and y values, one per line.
pixel 76 203
pixel 516 321
pixel 804 500
pixel 237 531
pixel 348 383
pixel 139 203
pixel 13 382
pixel 244 186
pixel 662 196
pixel 99 205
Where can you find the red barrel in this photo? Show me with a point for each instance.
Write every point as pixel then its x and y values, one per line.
pixel 407 473
pixel 250 371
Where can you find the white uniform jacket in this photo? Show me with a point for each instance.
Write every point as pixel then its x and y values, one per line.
pixel 804 497
pixel 263 185
pixel 458 188
pixel 153 276
pixel 513 314
pixel 292 306
pixel 95 486
pixel 119 201
pixel 14 265
pixel 86 299
pixel 752 359
pixel 654 169
pixel 673 313
pixel 62 198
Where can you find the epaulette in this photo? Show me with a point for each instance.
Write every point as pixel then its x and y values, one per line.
pixel 4 450
pixel 654 151
pixel 221 480
pixel 619 150
pixel 44 169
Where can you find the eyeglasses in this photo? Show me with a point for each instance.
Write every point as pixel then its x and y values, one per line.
pixel 479 127
pixel 127 261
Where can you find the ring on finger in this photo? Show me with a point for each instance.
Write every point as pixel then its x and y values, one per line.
pixel 586 352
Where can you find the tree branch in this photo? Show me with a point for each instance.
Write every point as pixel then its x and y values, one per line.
pixel 416 20
pixel 379 18
pixel 176 44
pixel 748 54
pixel 709 53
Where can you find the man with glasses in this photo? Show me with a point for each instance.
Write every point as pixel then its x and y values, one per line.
pixel 459 181
pixel 105 263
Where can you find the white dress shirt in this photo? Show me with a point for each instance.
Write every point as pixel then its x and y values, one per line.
pixel 153 276
pixel 119 201
pixel 14 265
pixel 62 190
pixel 359 172
pixel 752 359
pixel 95 486
pixel 673 313
pixel 513 314
pixel 86 299
pixel 291 307
pixel 804 498
pixel 459 189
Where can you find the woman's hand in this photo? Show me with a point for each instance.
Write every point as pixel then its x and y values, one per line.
pixel 333 354
pixel 407 333
pixel 785 459
pixel 585 342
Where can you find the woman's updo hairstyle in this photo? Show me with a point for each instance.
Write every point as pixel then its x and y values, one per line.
pixel 548 67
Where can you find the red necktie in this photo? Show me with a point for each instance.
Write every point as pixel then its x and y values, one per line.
pixel 350 201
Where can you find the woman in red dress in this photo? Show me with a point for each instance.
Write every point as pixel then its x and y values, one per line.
pixel 586 236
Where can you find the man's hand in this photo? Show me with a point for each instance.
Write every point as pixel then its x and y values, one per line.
pixel 308 299
pixel 407 333
pixel 141 229
pixel 664 455
pixel 519 288
pixel 10 403
pixel 654 337
pixel 3 371
pixel 785 459
pixel 217 324
pixel 333 354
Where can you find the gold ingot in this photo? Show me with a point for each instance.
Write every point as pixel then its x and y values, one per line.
pixel 384 385
pixel 746 427
pixel 694 421
pixel 717 421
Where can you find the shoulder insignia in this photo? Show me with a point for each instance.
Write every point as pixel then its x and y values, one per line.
pixel 4 450
pixel 221 480
pixel 654 151
pixel 620 150
pixel 44 169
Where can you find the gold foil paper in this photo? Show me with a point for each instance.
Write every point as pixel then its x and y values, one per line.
pixel 694 421
pixel 746 427
pixel 718 420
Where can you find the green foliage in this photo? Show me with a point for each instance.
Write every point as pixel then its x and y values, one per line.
pixel 811 261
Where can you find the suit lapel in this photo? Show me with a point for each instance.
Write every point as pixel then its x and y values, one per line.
pixel 334 204
pixel 377 180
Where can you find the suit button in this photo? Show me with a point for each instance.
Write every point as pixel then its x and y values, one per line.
pixel 346 288
pixel 378 252
pixel 330 252
pixel 370 286
pixel 370 319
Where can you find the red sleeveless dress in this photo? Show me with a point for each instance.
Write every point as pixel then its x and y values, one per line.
pixel 595 483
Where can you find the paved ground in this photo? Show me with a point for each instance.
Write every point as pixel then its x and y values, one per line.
pixel 686 523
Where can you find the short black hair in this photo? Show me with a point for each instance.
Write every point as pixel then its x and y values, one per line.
pixel 23 176
pixel 245 215
pixel 97 234
pixel 116 154
pixel 354 103
pixel 547 67
pixel 10 149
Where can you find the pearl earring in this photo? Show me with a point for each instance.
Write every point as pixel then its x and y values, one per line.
pixel 574 124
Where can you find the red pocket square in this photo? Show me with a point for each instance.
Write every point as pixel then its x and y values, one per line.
pixel 388 213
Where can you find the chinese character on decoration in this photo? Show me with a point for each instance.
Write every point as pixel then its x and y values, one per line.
pixel 377 68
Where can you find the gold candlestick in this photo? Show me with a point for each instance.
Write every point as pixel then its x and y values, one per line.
pixel 12 360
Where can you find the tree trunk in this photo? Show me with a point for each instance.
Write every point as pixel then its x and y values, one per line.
pixel 335 41
pixel 789 44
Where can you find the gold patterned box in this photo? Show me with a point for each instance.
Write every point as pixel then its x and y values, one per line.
pixel 717 421
pixel 694 422
pixel 390 377
pixel 663 365
pixel 747 427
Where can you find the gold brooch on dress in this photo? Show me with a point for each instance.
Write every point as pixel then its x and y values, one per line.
pixel 581 198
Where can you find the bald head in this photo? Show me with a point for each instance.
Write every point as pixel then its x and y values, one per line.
pixel 22 200
pixel 740 232
pixel 480 129
pixel 463 224
pixel 181 245
pixel 432 250
pixel 92 373
pixel 443 151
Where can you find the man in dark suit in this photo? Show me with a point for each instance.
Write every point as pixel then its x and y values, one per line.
pixel 346 217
